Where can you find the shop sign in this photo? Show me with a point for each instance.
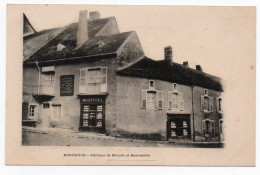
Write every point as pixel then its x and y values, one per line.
pixel 66 85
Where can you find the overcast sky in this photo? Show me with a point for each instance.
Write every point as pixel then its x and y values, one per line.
pixel 214 37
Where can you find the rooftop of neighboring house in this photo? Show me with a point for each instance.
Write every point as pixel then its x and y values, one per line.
pixel 175 73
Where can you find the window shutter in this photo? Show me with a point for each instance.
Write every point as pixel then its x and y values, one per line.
pixel 203 127
pixel 103 87
pixel 211 104
pixel 82 81
pixel 213 127
pixel 170 100
pixel 202 103
pixel 217 99
pixel 181 102
pixel 25 111
pixel 160 100
pixel 144 95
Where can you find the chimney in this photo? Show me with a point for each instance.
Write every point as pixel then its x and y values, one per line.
pixel 82 33
pixel 186 63
pixel 94 15
pixel 199 68
pixel 168 54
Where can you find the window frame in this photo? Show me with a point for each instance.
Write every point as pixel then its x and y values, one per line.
pixel 212 125
pixel 151 87
pixel 35 112
pixel 83 81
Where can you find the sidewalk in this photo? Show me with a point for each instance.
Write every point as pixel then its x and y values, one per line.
pixel 99 136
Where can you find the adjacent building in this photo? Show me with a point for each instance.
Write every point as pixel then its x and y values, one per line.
pixel 88 76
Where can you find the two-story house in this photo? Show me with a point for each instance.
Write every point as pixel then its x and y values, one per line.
pixel 88 76
pixel 166 100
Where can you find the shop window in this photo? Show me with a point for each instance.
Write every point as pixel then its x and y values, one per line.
pixel 206 102
pixel 208 127
pixel 93 80
pixel 56 111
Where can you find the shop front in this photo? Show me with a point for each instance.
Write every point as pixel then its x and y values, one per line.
pixel 92 113
pixel 178 126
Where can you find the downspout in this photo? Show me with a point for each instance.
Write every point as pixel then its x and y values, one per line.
pixel 39 79
pixel 193 123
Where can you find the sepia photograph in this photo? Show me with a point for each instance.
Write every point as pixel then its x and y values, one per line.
pixel 88 84
pixel 151 82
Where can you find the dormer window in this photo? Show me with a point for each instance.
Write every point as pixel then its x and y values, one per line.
pixel 60 47
pixel 101 44
pixel 151 84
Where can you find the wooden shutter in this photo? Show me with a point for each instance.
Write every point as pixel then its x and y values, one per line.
pixel 160 100
pixel 103 87
pixel 213 127
pixel 211 104
pixel 25 111
pixel 217 100
pixel 203 127
pixel 170 100
pixel 82 81
pixel 144 96
pixel 202 103
pixel 181 102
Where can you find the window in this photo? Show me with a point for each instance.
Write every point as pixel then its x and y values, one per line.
pixel 144 99
pixel 174 87
pixel 175 101
pixel 206 102
pixel 46 105
pixel 208 127
pixel 32 111
pixel 151 100
pixel 160 100
pixel 56 109
pixel 220 126
pixel 48 79
pixel 93 80
pixel 151 84
pixel 219 104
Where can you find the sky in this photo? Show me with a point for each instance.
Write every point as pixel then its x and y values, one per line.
pixel 208 36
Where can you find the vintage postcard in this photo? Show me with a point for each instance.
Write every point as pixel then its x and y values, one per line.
pixel 130 85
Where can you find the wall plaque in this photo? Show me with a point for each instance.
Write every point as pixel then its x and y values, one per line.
pixel 67 85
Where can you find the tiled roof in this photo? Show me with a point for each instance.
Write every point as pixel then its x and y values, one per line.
pixel 49 52
pixel 176 73
pixel 45 42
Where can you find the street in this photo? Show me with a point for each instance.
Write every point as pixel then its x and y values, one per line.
pixel 31 138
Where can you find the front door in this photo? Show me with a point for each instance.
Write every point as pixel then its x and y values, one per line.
pixel 92 114
pixel 46 115
pixel 178 127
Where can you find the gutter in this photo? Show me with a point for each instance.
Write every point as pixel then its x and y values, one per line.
pixel 36 62
pixel 73 58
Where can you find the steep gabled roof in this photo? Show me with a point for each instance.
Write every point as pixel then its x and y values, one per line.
pixel 176 73
pixel 66 35
pixel 110 44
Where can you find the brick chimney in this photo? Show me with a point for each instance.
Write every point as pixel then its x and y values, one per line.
pixel 94 15
pixel 186 63
pixel 199 68
pixel 168 54
pixel 82 33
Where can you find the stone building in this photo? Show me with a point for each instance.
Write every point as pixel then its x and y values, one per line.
pixel 88 76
